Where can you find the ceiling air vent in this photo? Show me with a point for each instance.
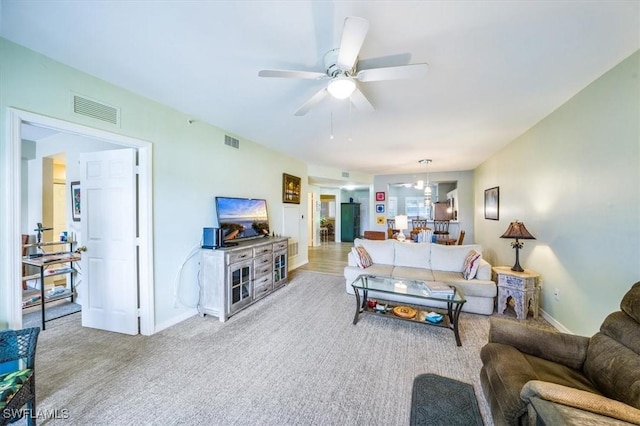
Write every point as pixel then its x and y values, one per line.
pixel 232 142
pixel 97 110
pixel 345 174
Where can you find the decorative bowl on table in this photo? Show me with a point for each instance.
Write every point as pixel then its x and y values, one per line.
pixel 404 312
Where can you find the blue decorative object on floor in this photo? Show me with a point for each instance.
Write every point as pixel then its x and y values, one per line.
pixel 438 400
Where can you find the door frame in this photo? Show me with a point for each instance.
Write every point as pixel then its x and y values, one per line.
pixel 11 226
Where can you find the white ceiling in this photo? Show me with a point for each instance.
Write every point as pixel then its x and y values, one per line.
pixel 496 67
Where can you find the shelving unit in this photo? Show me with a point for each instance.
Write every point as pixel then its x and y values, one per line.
pixel 233 278
pixel 49 265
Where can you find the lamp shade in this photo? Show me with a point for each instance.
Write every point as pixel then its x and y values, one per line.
pixel 341 87
pixel 402 222
pixel 518 231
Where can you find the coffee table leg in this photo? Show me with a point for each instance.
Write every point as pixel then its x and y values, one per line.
pixel 454 315
pixel 357 293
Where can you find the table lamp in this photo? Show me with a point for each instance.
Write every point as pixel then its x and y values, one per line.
pixel 518 231
pixel 401 223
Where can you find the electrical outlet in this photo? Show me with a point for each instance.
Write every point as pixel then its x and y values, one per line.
pixel 556 294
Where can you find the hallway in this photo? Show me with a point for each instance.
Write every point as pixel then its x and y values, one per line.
pixel 328 258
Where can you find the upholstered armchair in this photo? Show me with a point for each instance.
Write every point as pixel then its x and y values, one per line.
pixel 532 375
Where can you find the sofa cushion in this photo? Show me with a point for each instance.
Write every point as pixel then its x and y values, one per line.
pixel 484 270
pixel 469 287
pixel 619 326
pixel 362 257
pixel 409 273
pixel 10 384
pixel 630 303
pixel 450 258
pixel 380 251
pixel 351 273
pixel 413 255
pixel 470 265
pixel 614 368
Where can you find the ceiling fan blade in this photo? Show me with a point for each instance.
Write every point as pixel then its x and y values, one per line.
pixel 353 34
pixel 306 75
pixel 360 101
pixel 315 100
pixel 393 73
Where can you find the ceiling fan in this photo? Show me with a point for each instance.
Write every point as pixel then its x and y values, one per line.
pixel 341 68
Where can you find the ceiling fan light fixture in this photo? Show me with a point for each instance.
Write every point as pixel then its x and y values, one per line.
pixel 341 87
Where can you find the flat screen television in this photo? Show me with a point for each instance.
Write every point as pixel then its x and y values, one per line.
pixel 242 218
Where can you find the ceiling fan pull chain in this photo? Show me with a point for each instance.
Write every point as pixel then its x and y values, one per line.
pixel 331 136
pixel 350 123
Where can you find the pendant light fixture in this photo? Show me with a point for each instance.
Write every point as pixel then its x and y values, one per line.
pixel 427 187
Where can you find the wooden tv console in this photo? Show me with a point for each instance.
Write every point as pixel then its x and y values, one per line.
pixel 232 278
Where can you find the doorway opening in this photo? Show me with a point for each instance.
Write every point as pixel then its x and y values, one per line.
pixel 44 183
pixel 12 227
pixel 327 218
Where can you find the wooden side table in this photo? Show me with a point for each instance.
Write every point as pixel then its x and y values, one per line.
pixel 523 287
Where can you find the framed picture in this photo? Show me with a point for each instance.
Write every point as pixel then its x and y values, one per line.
pixel 75 201
pixel 379 196
pixel 492 203
pixel 379 208
pixel 290 189
pixel 381 220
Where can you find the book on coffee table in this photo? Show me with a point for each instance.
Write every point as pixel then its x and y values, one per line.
pixel 437 288
pixel 433 317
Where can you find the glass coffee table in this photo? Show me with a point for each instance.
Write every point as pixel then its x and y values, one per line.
pixel 418 290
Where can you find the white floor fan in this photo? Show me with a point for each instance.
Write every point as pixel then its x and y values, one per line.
pixel 341 69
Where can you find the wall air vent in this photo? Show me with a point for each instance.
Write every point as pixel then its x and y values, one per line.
pixel 94 109
pixel 232 142
pixel 345 174
pixel 293 249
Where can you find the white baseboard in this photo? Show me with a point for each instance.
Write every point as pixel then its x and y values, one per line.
pixel 175 320
pixel 551 320
pixel 297 265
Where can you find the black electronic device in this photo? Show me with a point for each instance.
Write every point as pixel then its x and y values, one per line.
pixel 211 238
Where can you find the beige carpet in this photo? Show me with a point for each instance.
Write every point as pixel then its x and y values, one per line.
pixel 294 358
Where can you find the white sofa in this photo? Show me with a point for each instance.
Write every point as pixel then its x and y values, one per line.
pixel 425 262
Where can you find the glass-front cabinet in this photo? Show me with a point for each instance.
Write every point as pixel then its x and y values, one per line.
pixel 240 280
pixel 279 268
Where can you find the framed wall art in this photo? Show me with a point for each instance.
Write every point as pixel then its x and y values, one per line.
pixel 379 208
pixel 380 196
pixel 492 203
pixel 75 201
pixel 290 189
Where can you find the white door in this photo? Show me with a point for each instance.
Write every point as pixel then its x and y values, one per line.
pixel 108 224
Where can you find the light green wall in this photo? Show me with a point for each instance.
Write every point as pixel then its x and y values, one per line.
pixel 574 180
pixel 191 164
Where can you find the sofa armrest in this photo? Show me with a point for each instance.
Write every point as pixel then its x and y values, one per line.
pixel 351 260
pixel 580 399
pixel 562 348
pixel 484 270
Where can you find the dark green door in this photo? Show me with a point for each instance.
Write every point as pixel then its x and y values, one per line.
pixel 349 221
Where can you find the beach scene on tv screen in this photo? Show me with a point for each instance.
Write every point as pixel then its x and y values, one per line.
pixel 242 218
